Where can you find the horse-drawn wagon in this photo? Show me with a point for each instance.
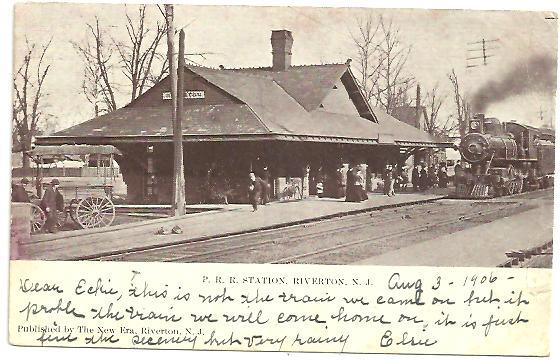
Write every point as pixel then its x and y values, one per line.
pixel 87 192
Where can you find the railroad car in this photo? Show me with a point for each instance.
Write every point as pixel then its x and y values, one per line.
pixel 504 158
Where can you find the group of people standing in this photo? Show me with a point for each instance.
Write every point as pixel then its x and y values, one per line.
pixel 424 177
pixel 394 178
pixel 51 203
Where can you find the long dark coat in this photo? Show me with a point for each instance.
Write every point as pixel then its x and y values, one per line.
pixel 255 191
pixel 442 177
pixel 51 202
pixel 423 181
pixel 19 194
pixel 265 187
pixel 353 191
pixel 387 178
pixel 339 185
pixel 415 178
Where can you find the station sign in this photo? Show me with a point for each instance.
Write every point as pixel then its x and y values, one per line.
pixel 189 94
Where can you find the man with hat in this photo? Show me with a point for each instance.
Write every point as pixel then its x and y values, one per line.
pixel 19 194
pixel 255 190
pixel 51 202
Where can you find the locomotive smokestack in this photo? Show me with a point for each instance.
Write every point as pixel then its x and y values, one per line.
pixel 477 125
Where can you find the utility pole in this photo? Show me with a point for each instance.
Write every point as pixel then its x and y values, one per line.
pixel 178 199
pixel 481 51
pixel 178 130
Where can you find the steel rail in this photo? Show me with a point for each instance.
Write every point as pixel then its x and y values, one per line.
pixel 416 229
pixel 258 235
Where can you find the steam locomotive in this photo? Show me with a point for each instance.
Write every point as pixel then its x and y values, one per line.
pixel 504 158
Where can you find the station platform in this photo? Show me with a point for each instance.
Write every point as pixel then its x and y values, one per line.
pixel 484 245
pixel 229 220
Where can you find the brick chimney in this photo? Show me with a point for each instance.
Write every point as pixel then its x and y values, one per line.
pixel 281 41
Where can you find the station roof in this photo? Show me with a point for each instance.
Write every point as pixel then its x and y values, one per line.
pixel 273 105
pixel 307 84
pixel 71 149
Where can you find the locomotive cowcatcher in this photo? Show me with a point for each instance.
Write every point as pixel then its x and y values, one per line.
pixel 504 158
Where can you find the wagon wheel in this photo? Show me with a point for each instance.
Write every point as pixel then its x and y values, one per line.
pixel 95 212
pixel 38 218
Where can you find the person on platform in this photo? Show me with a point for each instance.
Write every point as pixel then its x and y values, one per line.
pixel 266 186
pixel 458 173
pixel 52 202
pixel 19 194
pixel 423 179
pixel 339 183
pixel 255 190
pixel 442 177
pixel 403 176
pixel 358 185
pixel 432 177
pixel 389 181
pixel 354 190
pixel 415 178
pixel 350 185
pixel 396 178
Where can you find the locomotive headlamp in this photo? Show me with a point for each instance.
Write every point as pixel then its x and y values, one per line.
pixel 474 125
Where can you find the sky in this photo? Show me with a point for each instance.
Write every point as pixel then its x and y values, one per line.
pixel 239 36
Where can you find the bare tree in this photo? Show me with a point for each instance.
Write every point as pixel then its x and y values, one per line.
pixel 435 125
pixel 461 104
pixel 97 85
pixel 92 88
pixel 139 57
pixel 28 107
pixel 367 43
pixel 381 66
pixel 138 53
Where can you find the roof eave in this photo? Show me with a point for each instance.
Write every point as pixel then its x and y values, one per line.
pixel 62 139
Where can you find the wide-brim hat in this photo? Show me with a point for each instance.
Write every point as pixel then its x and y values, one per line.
pixel 25 181
pixel 55 182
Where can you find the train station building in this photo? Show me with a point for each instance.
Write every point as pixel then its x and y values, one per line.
pixel 295 123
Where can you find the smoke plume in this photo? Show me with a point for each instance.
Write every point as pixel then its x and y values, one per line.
pixel 537 73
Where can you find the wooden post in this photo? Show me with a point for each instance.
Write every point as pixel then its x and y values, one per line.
pixel 104 171
pixel 39 185
pixel 176 205
pixel 178 131
pixel 112 170
pixel 305 182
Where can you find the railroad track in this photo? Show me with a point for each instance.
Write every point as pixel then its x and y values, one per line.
pixel 355 222
pixel 228 249
pixel 370 241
